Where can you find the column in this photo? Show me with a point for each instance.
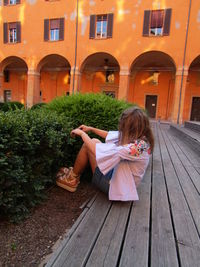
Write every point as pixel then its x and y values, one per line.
pixel 75 80
pixel 1 86
pixel 124 78
pixel 176 98
pixel 33 88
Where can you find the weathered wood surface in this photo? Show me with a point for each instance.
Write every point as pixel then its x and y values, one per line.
pixel 136 245
pixel 161 229
pixel 185 231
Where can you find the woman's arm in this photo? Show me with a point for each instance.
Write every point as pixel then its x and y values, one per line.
pixel 99 132
pixel 86 139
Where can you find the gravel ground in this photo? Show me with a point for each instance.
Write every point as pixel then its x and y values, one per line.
pixel 28 243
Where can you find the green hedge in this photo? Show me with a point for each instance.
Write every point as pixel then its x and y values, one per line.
pixel 33 144
pixel 7 106
pixel 97 110
pixel 38 106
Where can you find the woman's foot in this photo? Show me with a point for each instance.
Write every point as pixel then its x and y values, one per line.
pixel 67 179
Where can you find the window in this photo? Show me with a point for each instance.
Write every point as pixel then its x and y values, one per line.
pixel 110 77
pixel 12 32
pixel 11 2
pixel 157 22
pixel 101 26
pixel 155 77
pixel 6 76
pixel 110 93
pixel 7 95
pixel 54 29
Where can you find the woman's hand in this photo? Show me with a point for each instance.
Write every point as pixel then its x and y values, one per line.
pixel 76 131
pixel 85 128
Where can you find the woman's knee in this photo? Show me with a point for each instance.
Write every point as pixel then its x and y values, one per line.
pixel 95 140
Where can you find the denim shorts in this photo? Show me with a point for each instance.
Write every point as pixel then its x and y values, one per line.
pixel 102 181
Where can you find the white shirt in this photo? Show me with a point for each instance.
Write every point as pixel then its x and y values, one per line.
pixel 129 163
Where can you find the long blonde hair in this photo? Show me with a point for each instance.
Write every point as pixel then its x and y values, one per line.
pixel 134 124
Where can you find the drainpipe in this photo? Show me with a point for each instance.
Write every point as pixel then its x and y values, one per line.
pixel 184 55
pixel 75 56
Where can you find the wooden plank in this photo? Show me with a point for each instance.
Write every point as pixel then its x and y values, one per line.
pixel 191 155
pixel 107 248
pixel 192 172
pixel 136 244
pixel 190 192
pixel 78 248
pixel 186 234
pixel 190 137
pixel 163 248
pixel 195 176
pixel 66 238
pixel 197 169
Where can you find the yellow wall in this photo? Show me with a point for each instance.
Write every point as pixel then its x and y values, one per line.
pixel 17 85
pixel 53 84
pixel 143 86
pixel 125 46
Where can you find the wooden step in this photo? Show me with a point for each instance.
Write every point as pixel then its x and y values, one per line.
pixel 189 136
pixel 193 125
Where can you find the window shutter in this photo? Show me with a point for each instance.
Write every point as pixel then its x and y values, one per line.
pixel 110 26
pixel 146 22
pixel 5 2
pixel 18 32
pixel 18 2
pixel 46 30
pixel 5 33
pixel 167 22
pixel 61 30
pixel 92 26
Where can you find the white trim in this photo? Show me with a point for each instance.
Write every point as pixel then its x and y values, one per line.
pixel 124 71
pixel 77 72
pixel 33 72
pixel 180 70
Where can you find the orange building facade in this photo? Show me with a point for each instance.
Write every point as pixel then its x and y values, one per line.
pixel 145 52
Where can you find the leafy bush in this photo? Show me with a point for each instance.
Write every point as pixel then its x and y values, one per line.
pixel 1 105
pixel 96 110
pixel 38 106
pixel 33 144
pixel 7 106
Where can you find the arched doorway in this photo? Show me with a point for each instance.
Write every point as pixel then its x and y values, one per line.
pixel 14 85
pixel 54 77
pixel 100 74
pixel 191 109
pixel 152 83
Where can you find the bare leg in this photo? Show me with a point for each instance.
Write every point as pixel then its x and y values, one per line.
pixel 83 157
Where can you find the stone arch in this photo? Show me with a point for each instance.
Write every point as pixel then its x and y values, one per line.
pixel 14 79
pixel 100 73
pixel 152 79
pixel 54 72
pixel 191 110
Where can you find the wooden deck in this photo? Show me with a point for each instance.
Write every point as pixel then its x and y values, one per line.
pixel 161 229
